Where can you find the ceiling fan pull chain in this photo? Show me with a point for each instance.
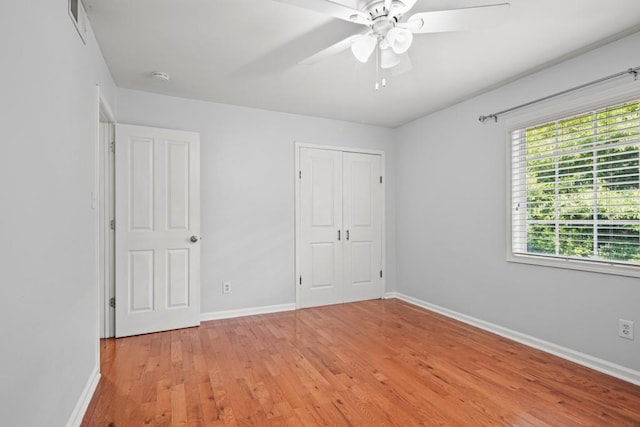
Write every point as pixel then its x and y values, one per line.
pixel 378 68
pixel 380 72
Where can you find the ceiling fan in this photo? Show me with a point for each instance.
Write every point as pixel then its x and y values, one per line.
pixel 389 30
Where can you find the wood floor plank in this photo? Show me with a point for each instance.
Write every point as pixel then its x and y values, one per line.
pixel 362 364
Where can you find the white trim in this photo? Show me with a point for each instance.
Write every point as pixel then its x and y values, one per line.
pixel 104 172
pixel 297 224
pixel 106 109
pixel 383 202
pixel 601 365
pixel 575 264
pixel 299 145
pixel 241 312
pixel 85 398
pixel 383 221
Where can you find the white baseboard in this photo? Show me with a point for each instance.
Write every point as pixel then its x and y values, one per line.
pixel 592 362
pixel 229 314
pixel 85 398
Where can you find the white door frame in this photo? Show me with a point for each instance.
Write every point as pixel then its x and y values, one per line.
pixel 297 147
pixel 103 194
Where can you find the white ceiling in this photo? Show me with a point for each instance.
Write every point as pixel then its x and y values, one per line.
pixel 246 52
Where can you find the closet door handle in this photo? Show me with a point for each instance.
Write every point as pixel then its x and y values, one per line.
pixel 347 234
pixel 338 234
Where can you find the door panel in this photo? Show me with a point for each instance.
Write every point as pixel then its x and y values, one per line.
pixel 323 193
pixel 141 281
pixel 142 184
pixel 323 265
pixel 157 211
pixel 178 185
pixel 362 262
pixel 359 181
pixel 362 220
pixel 178 278
pixel 320 220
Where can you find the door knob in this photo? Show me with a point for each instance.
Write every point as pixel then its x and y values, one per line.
pixel 194 239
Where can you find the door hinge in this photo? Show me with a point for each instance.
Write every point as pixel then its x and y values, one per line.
pixel 112 146
pixel 112 303
pixel 112 224
pixel 380 273
pixel 301 280
pixel 380 179
pixel 299 174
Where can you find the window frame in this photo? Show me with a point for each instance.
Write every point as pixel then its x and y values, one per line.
pixel 594 98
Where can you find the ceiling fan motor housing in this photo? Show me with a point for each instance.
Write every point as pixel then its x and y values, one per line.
pixel 382 26
pixel 375 8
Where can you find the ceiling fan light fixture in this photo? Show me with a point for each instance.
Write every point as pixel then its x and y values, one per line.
pixel 388 59
pixel 399 39
pixel 363 47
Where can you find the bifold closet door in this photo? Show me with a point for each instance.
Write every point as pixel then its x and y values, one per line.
pixel 340 249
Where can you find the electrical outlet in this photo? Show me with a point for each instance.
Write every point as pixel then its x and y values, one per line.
pixel 226 287
pixel 625 329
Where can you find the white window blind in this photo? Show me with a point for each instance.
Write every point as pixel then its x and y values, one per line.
pixel 575 187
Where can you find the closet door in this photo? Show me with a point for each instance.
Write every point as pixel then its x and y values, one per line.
pixel 362 224
pixel 321 253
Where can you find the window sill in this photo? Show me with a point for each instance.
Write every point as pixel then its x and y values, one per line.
pixel 575 264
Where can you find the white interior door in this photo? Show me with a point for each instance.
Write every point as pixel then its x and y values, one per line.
pixel 339 248
pixel 157 229
pixel 362 222
pixel 320 276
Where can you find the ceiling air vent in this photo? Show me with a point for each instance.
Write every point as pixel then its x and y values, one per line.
pixel 79 18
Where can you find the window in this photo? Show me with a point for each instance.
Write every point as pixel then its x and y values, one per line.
pixel 575 190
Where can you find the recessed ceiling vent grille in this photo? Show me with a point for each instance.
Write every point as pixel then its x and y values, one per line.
pixel 79 18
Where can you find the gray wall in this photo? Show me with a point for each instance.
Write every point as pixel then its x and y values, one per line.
pixel 247 190
pixel 48 114
pixel 451 223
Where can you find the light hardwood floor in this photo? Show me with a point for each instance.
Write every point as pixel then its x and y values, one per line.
pixel 369 363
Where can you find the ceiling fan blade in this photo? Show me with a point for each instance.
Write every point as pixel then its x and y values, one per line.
pixel 331 50
pixel 414 25
pixel 387 4
pixel 470 18
pixel 399 10
pixel 330 8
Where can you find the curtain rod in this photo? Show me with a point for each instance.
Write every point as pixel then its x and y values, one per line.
pixel 631 71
